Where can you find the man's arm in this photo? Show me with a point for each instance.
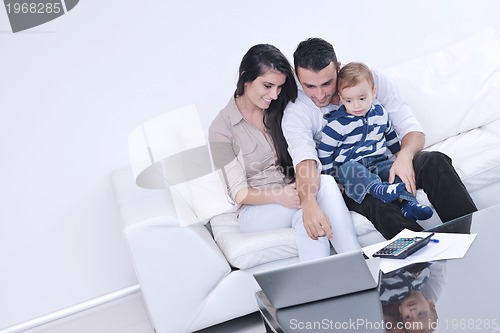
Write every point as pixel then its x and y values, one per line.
pixel 411 144
pixel 307 183
pixel 302 121
pixel 407 127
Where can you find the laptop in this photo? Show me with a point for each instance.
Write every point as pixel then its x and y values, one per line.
pixel 460 225
pixel 319 279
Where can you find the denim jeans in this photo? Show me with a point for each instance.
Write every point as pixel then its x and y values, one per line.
pixel 435 174
pixel 358 177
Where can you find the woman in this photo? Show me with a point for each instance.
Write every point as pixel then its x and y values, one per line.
pixel 248 143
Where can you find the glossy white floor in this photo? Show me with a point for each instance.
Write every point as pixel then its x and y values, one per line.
pixel 128 315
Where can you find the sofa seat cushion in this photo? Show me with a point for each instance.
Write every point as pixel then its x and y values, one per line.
pixel 362 225
pixel 475 155
pixel 365 230
pixel 245 250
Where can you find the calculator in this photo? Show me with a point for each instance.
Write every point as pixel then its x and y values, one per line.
pixel 403 247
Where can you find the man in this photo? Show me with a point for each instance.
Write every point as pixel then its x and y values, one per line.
pixel 316 67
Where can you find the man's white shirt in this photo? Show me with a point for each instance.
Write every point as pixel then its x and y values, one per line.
pixel 303 121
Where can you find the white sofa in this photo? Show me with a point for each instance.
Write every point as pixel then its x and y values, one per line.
pixel 189 280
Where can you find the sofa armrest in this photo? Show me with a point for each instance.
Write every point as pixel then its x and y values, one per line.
pixel 177 267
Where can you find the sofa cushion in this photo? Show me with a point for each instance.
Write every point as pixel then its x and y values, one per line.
pixel 454 90
pixel 475 155
pixel 245 250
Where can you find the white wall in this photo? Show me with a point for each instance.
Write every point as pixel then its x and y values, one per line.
pixel 71 91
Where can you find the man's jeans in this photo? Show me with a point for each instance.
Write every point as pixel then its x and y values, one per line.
pixel 434 173
pixel 358 177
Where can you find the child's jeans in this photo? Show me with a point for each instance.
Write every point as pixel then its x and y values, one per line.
pixel 358 177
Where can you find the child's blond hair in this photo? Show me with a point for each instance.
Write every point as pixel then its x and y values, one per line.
pixel 352 74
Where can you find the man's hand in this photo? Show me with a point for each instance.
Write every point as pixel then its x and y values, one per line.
pixel 308 181
pixel 403 167
pixel 411 144
pixel 315 221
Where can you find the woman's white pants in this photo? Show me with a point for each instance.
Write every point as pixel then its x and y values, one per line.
pixel 254 218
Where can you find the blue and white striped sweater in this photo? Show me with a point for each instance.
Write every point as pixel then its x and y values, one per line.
pixel 347 137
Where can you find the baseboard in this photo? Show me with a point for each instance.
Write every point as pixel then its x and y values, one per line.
pixel 72 310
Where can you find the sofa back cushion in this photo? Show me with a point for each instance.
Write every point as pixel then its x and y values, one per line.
pixel 455 89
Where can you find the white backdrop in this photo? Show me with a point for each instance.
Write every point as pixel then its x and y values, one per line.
pixel 72 90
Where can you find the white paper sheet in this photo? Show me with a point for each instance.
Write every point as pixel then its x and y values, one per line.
pixel 450 246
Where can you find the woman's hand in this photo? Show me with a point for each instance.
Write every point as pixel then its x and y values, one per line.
pixel 287 196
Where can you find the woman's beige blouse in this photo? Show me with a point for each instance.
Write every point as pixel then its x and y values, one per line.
pixel 246 154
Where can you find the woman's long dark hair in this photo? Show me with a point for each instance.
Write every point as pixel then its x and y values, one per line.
pixel 258 60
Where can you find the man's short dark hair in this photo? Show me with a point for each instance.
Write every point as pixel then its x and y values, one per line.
pixel 314 54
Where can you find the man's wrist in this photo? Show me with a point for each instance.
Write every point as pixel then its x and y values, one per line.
pixel 407 153
pixel 412 143
pixel 308 202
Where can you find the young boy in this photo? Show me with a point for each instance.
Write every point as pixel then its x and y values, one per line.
pixel 359 139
